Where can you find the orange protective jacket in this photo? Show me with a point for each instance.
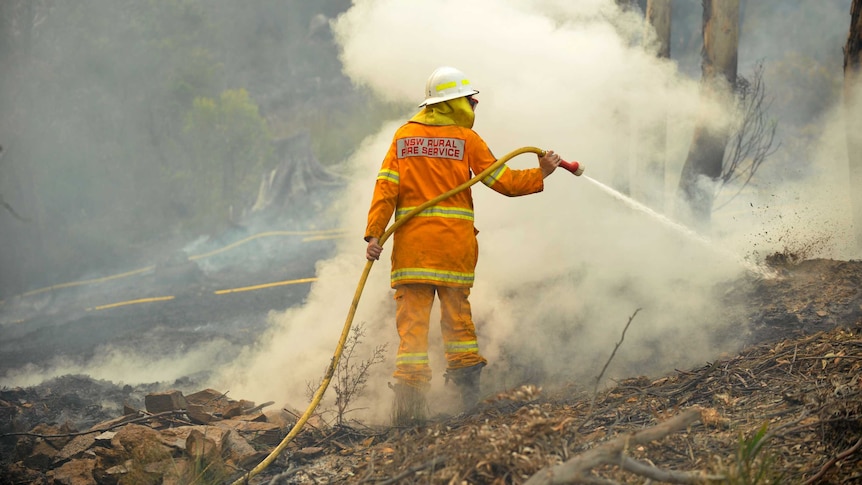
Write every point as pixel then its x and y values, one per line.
pixel 438 246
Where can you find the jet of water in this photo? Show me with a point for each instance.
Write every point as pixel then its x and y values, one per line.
pixel 764 272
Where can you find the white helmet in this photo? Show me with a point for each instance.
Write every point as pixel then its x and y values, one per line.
pixel 446 83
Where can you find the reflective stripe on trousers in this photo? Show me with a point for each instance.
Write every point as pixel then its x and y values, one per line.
pixel 412 319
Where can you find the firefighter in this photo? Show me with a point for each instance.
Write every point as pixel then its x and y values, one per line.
pixel 435 252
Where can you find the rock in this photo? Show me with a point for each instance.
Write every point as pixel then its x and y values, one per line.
pixel 112 475
pixel 259 417
pixel 19 473
pixel 210 442
pixel 140 441
pixel 75 472
pixel 199 414
pixel 160 402
pixel 112 423
pixel 76 447
pixel 217 405
pixel 38 452
pixel 239 452
pixel 199 444
pixel 41 457
pixel 118 450
pixel 255 432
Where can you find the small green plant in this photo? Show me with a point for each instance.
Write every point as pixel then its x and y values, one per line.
pixel 753 464
pixel 350 377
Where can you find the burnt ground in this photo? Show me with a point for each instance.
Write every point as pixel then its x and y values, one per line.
pixel 788 404
pixel 64 324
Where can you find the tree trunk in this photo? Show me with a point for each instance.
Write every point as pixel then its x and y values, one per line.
pixel 706 154
pixel 658 16
pixel 621 177
pixel 650 169
pixel 853 114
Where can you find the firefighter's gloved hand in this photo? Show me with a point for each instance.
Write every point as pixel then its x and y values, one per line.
pixel 549 162
pixel 372 252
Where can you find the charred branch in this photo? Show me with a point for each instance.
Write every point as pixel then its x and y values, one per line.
pixel 752 138
pixel 6 204
pixel 613 353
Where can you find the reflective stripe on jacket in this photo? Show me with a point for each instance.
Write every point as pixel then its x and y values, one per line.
pixel 437 246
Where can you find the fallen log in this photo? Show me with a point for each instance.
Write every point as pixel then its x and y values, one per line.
pixel 613 452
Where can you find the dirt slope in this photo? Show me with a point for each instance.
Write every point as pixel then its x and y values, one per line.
pixel 801 378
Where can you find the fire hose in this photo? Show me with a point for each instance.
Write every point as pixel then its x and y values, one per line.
pixel 573 167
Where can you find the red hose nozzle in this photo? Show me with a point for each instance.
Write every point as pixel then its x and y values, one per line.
pixel 574 167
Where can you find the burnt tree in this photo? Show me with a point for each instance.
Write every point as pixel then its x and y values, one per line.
pixel 752 134
pixel 719 71
pixel 852 114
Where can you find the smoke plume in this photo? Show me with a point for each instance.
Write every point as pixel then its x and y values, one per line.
pixel 560 272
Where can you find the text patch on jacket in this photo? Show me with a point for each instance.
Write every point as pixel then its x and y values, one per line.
pixel 430 147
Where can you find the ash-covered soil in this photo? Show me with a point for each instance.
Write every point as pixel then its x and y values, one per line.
pixel 70 323
pixel 789 403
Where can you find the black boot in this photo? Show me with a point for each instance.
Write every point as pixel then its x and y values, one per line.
pixel 409 407
pixel 467 380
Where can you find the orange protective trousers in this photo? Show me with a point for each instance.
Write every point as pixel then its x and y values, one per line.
pixel 412 318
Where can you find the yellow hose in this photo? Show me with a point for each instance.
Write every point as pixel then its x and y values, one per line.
pixel 333 364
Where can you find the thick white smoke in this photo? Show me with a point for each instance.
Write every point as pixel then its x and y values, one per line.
pixel 560 272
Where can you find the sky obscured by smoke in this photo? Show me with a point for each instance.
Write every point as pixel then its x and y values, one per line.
pixel 560 272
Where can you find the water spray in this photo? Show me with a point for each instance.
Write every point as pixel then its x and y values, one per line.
pixel 578 169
